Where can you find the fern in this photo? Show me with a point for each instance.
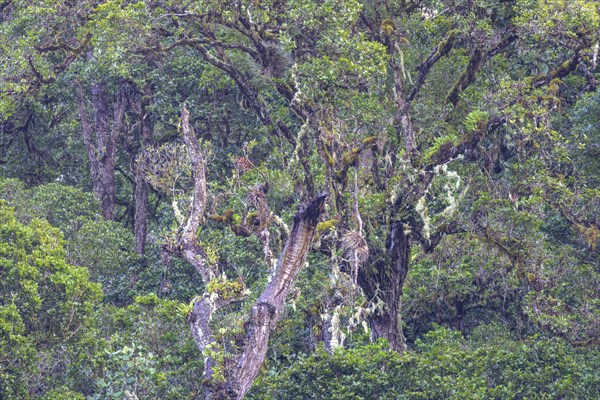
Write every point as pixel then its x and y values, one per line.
pixel 476 120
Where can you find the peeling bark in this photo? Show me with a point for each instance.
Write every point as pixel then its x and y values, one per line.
pixel 199 321
pixel 266 312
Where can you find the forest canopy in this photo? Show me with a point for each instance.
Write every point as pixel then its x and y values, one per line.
pixel 345 199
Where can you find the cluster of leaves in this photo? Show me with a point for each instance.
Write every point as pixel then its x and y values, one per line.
pixel 105 248
pixel 145 350
pixel 61 338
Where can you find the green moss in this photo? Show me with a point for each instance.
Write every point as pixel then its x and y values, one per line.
pixel 553 76
pixel 324 226
pixel 227 290
pixel 217 218
pixel 328 156
pixel 446 45
pixel 564 69
pixel 554 87
pixel 350 157
pixel 387 27
pixel 370 141
pixel 228 214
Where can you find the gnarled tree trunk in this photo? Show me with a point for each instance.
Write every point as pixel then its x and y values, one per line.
pixel 239 370
pixel 267 310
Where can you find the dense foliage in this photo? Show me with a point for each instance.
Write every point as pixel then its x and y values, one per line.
pixel 44 299
pixel 490 365
pixel 346 199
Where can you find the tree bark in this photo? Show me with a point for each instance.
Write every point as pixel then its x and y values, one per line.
pixel 383 283
pixel 403 122
pixel 141 186
pixel 100 141
pixel 238 371
pixel 478 58
pixel 104 165
pixel 267 310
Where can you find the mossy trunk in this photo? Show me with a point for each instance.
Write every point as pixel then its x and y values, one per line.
pixel 103 167
pixel 382 283
pixel 100 141
pixel 141 187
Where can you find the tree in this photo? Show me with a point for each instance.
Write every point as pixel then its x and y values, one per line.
pixel 43 300
pixel 414 184
pixel 100 140
pixel 230 376
pixel 75 53
pixel 444 364
pixel 334 80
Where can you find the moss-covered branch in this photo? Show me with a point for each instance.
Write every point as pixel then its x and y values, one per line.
pixel 479 57
pixel 561 71
pixel 442 49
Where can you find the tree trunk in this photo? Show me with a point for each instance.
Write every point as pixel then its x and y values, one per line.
pixel 402 118
pixel 141 187
pixel 140 228
pixel 387 324
pixel 103 172
pixel 237 373
pixel 100 141
pixel 383 283
pixel 265 313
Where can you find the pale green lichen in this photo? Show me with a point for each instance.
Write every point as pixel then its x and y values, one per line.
pixel 178 214
pixel 423 211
